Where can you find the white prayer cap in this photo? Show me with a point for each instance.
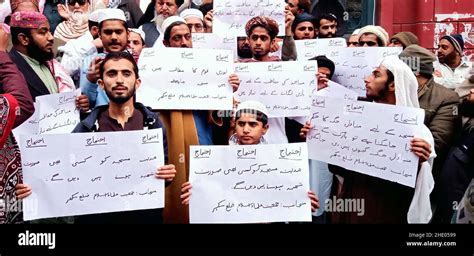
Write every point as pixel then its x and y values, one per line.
pixel 170 20
pixel 191 12
pixel 94 16
pixel 138 31
pixel 376 30
pixel 356 32
pixel 253 105
pixel 111 14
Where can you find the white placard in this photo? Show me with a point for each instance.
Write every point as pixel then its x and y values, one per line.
pixel 284 87
pixel 336 91
pixel 183 78
pixel 310 48
pixel 215 41
pixel 354 64
pixel 54 114
pixel 231 16
pixel 249 184
pixel 369 138
pixel 86 173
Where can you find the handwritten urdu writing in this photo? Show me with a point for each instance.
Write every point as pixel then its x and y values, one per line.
pixel 249 184
pixel 183 78
pixel 86 173
pixel 284 87
pixel 369 138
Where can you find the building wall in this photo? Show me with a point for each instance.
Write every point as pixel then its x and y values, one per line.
pixel 429 20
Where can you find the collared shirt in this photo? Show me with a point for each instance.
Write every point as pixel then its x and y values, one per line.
pixel 97 96
pixel 43 73
pixel 109 124
pixel 449 78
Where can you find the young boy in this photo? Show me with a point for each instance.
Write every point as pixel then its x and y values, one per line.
pixel 251 124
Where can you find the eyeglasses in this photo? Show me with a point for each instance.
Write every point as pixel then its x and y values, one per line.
pixel 80 2
pixel 368 43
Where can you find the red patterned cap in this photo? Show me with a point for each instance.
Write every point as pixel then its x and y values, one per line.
pixel 27 19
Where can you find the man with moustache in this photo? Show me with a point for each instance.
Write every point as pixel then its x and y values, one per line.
pixel 450 69
pixel 113 32
pixel 326 25
pixel 76 20
pixel 32 52
pixel 163 9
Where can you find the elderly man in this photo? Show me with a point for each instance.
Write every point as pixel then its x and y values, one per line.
pixel 163 10
pixel 403 39
pixel 373 36
pixel 75 23
pixel 450 69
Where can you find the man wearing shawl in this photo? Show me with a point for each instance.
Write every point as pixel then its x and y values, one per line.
pixel 76 20
pixel 16 106
pixel 391 83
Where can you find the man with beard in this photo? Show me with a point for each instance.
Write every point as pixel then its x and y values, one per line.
pixel 75 16
pixel 450 69
pixel 32 53
pixel 326 25
pixel 393 83
pixel 113 32
pixel 163 9
pixel 243 48
pixel 119 78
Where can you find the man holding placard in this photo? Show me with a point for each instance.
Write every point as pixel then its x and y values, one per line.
pixel 251 120
pixel 119 79
pixel 387 202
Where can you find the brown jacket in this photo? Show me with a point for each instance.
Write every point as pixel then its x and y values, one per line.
pixel 441 117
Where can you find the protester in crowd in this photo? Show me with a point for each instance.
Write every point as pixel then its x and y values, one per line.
pixel 403 39
pixel 451 69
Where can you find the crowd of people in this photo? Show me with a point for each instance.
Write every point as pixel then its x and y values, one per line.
pixel 95 45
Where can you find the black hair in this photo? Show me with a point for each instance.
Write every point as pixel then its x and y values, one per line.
pixel 15 31
pixel 390 78
pixel 118 56
pixel 326 16
pixel 205 8
pixel 167 35
pixel 261 117
pixel 323 61
pixel 123 23
pixel 92 24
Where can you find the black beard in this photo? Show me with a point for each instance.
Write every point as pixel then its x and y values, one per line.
pixel 326 36
pixel 38 54
pixel 381 95
pixel 120 99
pixel 244 53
